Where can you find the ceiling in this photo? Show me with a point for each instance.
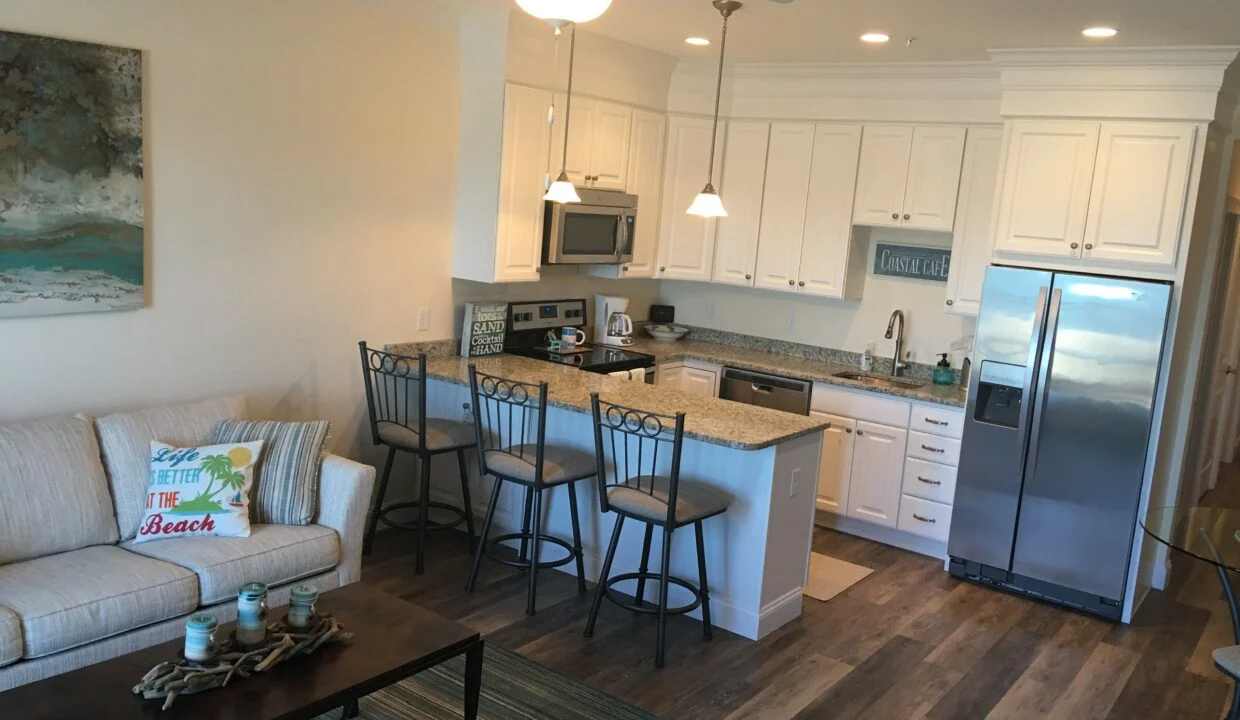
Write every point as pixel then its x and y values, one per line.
pixel 946 30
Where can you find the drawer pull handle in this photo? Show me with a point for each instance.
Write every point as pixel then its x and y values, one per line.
pixel 931 449
pixel 932 421
pixel 924 518
pixel 928 481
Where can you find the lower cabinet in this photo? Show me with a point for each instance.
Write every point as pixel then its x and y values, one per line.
pixel 694 377
pixel 835 465
pixel 877 473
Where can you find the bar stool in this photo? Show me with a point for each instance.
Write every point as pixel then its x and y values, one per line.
pixel 640 488
pixel 510 420
pixel 396 398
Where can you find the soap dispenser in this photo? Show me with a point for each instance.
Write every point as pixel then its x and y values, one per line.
pixel 943 371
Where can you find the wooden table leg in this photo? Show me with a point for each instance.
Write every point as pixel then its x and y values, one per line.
pixel 473 679
pixel 349 710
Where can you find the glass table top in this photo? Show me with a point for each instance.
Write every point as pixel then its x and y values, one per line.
pixel 1192 529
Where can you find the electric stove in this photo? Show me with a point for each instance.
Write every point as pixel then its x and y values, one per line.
pixel 530 322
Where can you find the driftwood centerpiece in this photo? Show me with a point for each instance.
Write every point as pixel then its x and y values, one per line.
pixel 172 679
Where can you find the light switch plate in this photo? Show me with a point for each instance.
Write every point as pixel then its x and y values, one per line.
pixel 424 318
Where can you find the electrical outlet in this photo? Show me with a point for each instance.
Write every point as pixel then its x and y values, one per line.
pixel 467 413
pixel 792 483
pixel 424 318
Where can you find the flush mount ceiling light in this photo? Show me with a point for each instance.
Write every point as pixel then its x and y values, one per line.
pixel 1100 31
pixel 562 190
pixel 875 37
pixel 707 203
pixel 563 12
pixel 699 41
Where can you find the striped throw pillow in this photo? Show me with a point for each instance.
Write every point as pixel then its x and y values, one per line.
pixel 286 483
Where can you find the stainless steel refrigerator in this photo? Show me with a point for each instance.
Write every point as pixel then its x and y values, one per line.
pixel 1057 426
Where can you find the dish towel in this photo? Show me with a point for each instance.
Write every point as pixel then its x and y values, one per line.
pixel 638 374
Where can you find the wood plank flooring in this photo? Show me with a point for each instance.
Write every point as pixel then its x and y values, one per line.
pixel 908 641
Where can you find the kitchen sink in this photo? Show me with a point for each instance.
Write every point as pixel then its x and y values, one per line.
pixel 878 380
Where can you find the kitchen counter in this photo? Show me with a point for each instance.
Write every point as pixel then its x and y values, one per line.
pixel 788 366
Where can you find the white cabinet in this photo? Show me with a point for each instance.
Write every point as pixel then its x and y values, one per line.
pixel 877 473
pixel 744 172
pixel 646 182
pixel 835 463
pixel 972 244
pixel 908 176
pixel 828 264
pixel 1136 203
pixel 783 205
pixel 598 142
pixel 699 378
pixel 669 375
pixel 523 170
pixel 686 242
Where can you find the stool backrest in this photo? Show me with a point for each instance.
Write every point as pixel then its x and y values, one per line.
pixel 395 390
pixel 509 416
pixel 631 440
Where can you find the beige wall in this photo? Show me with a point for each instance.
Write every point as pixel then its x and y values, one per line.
pixel 1233 185
pixel 300 160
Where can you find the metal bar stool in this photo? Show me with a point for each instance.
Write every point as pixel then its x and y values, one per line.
pixel 396 398
pixel 643 489
pixel 510 420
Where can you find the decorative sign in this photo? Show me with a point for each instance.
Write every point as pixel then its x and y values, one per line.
pixel 912 261
pixel 483 333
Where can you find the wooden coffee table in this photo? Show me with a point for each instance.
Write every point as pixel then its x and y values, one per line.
pixel 392 640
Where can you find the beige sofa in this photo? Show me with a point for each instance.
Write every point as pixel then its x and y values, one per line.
pixel 74 587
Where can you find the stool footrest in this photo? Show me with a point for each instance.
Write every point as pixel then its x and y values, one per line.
pixel 415 525
pixel 493 544
pixel 615 597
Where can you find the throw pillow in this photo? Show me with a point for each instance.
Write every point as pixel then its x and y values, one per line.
pixel 199 491
pixel 286 486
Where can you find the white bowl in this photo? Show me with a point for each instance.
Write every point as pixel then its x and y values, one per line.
pixel 666 332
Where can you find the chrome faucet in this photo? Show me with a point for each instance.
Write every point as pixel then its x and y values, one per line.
pixel 897 367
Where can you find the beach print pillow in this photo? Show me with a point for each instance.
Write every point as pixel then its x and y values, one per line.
pixel 199 492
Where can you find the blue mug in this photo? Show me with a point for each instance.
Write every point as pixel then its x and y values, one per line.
pixel 571 337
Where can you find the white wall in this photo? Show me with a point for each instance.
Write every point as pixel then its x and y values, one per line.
pixel 842 324
pixel 300 166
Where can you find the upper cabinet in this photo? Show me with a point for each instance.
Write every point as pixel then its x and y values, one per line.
pixel 523 172
pixel 783 206
pixel 741 184
pixel 972 244
pixel 598 142
pixel 1110 192
pixel 687 242
pixel 830 265
pixel 908 176
pixel 646 182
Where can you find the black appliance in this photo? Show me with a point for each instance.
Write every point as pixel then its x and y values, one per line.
pixel 662 314
pixel 530 322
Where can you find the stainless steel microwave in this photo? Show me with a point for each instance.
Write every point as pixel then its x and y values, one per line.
pixel 597 230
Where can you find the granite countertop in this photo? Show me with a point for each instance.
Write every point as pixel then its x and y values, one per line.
pixel 711 420
pixel 789 366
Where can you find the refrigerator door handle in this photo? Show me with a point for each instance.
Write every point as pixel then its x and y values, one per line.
pixel 1044 373
pixel 1031 375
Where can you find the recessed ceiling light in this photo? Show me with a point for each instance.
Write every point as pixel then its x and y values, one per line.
pixel 1099 32
pixel 875 37
pixel 697 41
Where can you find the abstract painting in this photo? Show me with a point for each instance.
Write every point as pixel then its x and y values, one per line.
pixel 71 213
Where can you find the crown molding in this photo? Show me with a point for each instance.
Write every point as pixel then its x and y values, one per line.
pixel 981 70
pixel 1183 56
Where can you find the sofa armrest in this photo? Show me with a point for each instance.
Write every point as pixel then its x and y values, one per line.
pixel 345 489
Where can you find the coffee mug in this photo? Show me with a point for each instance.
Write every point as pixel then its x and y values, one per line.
pixel 571 337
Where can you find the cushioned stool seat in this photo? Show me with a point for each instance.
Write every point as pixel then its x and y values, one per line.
pixel 440 435
pixel 560 464
pixel 646 498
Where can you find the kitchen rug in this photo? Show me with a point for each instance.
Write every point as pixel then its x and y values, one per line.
pixel 829 577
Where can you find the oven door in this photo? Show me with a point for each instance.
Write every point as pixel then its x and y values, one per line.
pixel 588 234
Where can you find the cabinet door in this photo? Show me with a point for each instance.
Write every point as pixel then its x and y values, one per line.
pixel 783 205
pixel 835 465
pixel 882 174
pixel 645 181
pixel 933 178
pixel 699 381
pixel 1045 196
pixel 827 240
pixel 671 376
pixel 877 473
pixel 580 138
pixel 518 251
pixel 972 243
pixel 609 150
pixel 686 242
pixel 1136 206
pixel 744 171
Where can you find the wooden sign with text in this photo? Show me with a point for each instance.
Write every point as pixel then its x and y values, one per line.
pixel 912 261
pixel 483 331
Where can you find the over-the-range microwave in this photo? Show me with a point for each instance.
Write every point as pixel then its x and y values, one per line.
pixel 597 230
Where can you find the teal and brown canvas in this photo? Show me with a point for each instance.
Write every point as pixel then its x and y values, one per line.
pixel 71 213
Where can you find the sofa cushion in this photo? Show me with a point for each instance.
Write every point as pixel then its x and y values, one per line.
pixel 199 491
pixel 78 597
pixel 126 442
pixel 10 637
pixel 286 480
pixel 53 492
pixel 272 554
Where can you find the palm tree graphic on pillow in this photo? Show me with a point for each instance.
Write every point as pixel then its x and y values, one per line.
pixel 220 468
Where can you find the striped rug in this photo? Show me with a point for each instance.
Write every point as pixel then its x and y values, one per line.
pixel 513 688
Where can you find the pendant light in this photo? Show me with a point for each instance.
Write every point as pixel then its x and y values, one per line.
pixel 563 12
pixel 707 203
pixel 562 190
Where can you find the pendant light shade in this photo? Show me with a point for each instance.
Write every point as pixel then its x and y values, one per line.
pixel 707 203
pixel 562 191
pixel 563 12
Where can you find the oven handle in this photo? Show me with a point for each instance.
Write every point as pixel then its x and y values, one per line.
pixel 619 238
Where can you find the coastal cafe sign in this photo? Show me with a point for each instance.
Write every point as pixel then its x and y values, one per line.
pixel 912 261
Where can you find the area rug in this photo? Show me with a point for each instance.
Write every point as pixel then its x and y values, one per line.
pixel 830 576
pixel 513 688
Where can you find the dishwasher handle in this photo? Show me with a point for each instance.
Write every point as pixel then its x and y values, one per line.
pixel 764 389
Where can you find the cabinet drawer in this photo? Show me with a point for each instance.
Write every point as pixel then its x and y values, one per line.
pixel 924 517
pixel 929 480
pixel 937 420
pixel 859 405
pixel 934 448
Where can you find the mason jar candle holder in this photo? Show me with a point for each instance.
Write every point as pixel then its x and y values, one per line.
pixel 252 614
pixel 301 602
pixel 200 636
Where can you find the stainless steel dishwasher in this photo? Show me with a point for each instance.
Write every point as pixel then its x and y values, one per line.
pixel 770 391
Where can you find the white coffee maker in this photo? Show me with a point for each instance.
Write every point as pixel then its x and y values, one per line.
pixel 612 324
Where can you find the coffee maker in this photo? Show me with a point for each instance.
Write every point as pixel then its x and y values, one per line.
pixel 612 324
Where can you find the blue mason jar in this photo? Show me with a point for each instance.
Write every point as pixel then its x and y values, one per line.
pixel 301 602
pixel 200 636
pixel 252 613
